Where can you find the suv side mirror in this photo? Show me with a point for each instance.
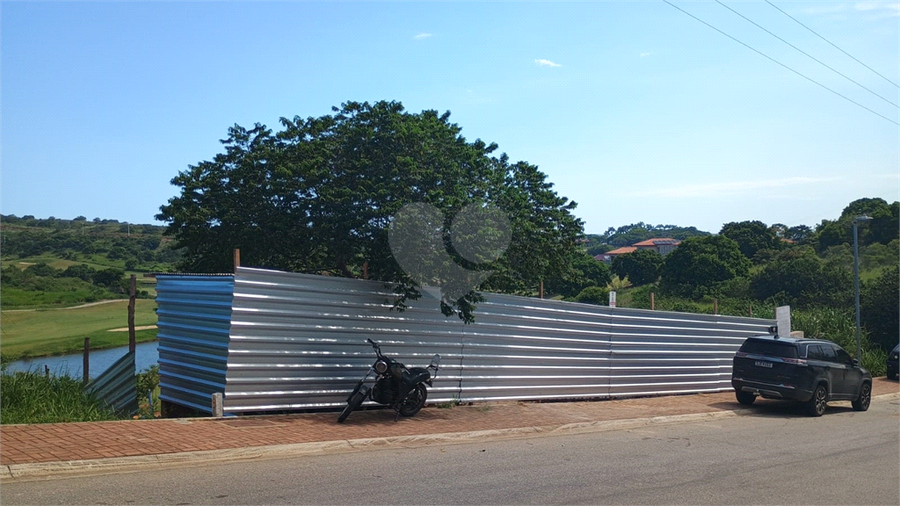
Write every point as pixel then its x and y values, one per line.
pixel 855 362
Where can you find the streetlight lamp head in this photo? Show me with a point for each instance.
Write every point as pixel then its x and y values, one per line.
pixel 862 218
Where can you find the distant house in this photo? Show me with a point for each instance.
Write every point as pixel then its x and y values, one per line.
pixel 663 246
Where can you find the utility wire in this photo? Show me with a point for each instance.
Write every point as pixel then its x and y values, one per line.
pixel 833 45
pixel 782 64
pixel 807 54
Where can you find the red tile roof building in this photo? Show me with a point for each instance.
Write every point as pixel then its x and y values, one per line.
pixel 662 245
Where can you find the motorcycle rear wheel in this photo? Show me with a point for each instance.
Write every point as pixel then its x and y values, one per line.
pixel 414 401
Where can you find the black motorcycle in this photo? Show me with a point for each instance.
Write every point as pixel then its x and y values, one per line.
pixel 396 386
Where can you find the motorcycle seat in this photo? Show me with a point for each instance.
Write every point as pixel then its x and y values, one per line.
pixel 416 375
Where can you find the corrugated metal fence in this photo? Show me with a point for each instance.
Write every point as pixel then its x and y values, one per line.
pixel 115 386
pixel 298 341
pixel 194 318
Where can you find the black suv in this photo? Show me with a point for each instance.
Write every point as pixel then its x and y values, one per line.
pixel 811 371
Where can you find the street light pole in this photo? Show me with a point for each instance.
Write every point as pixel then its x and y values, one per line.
pixel 856 222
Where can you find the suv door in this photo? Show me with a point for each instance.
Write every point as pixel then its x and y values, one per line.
pixel 823 361
pixel 850 377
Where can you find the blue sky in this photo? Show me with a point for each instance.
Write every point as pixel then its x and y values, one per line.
pixel 635 110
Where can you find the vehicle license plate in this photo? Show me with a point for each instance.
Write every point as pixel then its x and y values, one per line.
pixel 760 363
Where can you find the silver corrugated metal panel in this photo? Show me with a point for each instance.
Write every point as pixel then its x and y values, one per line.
pixel 116 386
pixel 298 341
pixel 194 320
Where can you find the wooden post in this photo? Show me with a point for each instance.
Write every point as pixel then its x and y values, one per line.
pixel 715 306
pixel 366 269
pixel 237 259
pixel 132 341
pixel 542 288
pixel 751 310
pixel 86 362
pixel 652 301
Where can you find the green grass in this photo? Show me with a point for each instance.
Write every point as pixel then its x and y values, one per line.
pixel 34 333
pixel 30 397
pixel 63 292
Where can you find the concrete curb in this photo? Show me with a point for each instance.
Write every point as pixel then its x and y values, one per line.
pixel 124 464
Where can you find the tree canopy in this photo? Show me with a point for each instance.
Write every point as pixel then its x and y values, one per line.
pixel 641 266
pixel 637 232
pixel 880 312
pixel 751 236
pixel 321 195
pixel 698 264
pixel 882 228
pixel 798 277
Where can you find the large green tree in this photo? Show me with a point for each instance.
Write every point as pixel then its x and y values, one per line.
pixel 641 266
pixel 585 272
pixel 751 236
pixel 322 194
pixel 699 264
pixel 880 310
pixel 882 228
pixel 798 277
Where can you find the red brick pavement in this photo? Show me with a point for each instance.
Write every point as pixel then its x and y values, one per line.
pixel 63 442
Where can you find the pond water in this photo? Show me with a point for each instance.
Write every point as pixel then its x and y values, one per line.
pixel 146 354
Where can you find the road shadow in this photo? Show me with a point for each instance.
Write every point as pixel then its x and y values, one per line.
pixel 773 408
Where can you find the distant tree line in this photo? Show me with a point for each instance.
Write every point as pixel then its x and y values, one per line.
pixel 138 246
pixel 776 265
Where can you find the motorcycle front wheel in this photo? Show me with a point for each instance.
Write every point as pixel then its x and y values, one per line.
pixel 414 401
pixel 354 401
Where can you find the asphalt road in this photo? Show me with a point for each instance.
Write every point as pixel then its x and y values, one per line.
pixel 770 455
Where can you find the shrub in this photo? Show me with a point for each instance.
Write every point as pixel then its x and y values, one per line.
pixel 594 295
pixel 30 397
pixel 838 325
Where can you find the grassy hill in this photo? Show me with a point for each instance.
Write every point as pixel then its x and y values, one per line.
pixel 52 262
pixel 48 266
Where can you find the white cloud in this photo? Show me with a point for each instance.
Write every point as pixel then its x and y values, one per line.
pixel 546 63
pixel 422 36
pixel 644 55
pixel 726 188
pixel 888 9
pixel 879 9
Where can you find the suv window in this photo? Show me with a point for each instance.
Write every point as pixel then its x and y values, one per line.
pixel 842 356
pixel 814 352
pixel 829 354
pixel 771 348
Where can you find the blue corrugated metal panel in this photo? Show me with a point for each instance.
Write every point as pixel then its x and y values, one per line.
pixel 298 341
pixel 116 386
pixel 194 320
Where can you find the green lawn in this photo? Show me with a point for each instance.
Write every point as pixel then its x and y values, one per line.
pixel 57 331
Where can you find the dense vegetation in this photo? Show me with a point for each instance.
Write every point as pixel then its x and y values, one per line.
pixel 31 397
pixel 52 262
pixel 325 194
pixel 749 268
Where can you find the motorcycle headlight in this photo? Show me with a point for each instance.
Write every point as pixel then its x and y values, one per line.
pixel 381 367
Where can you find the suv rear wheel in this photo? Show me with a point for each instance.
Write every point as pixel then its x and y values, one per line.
pixel 865 397
pixel 745 398
pixel 816 405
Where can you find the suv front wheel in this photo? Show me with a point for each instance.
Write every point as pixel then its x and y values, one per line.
pixel 865 397
pixel 816 405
